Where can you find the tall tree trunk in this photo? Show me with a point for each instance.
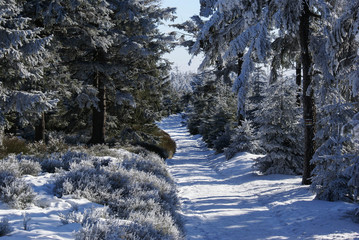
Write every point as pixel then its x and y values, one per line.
pixel 240 117
pixel 308 101
pixel 40 129
pixel 99 115
pixel 2 133
pixel 298 79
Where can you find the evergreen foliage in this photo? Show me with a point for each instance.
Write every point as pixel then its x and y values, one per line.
pixel 279 133
pixel 243 140
pixel 319 39
pixel 212 111
pixel 23 58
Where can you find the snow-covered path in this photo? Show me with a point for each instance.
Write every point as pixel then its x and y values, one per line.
pixel 227 200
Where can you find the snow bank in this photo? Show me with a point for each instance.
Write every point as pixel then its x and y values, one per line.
pixel 226 199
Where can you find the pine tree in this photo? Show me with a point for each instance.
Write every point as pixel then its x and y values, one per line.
pixel 336 156
pixel 110 47
pixel 23 59
pixel 243 140
pixel 279 134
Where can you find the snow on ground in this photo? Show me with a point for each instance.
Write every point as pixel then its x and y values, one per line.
pixel 42 220
pixel 226 199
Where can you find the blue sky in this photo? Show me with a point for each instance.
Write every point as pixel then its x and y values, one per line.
pixel 180 57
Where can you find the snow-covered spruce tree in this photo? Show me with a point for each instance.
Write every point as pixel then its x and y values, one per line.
pixel 280 133
pixel 212 111
pixel 335 158
pixel 256 88
pixel 243 140
pixel 294 23
pixel 22 61
pixel 330 175
pixel 352 171
pixel 234 33
pixel 245 137
pixel 180 85
pixel 110 46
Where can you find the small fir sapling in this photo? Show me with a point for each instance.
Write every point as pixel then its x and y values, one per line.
pixel 243 140
pixel 329 181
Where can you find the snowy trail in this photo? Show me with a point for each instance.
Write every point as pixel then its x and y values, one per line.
pixel 226 200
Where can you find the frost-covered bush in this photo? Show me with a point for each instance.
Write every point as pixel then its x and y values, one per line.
pixel 13 145
pixel 137 185
pixel 99 223
pixel 5 227
pixel 10 164
pixel 29 167
pixel 111 229
pixel 20 165
pixel 15 191
pixel 85 181
pixel 63 160
pixel 89 216
pixel 150 163
pixel 155 223
pixel 51 164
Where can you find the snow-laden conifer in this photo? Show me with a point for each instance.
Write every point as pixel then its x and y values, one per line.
pixel 280 133
pixel 22 63
pixel 114 50
pixel 243 140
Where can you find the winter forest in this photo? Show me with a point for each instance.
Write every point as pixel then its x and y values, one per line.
pixel 89 106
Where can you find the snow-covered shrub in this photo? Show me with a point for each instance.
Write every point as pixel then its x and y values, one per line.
pixel 85 181
pixel 136 185
pixel 70 157
pixel 51 164
pixel 63 160
pixel 29 167
pixel 20 165
pixel 243 140
pixel 150 163
pixel 5 227
pixel 113 228
pixel 155 223
pixel 105 229
pixel 10 164
pixel 56 143
pixel 14 191
pixel 13 145
pixel 89 216
pixel 281 132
